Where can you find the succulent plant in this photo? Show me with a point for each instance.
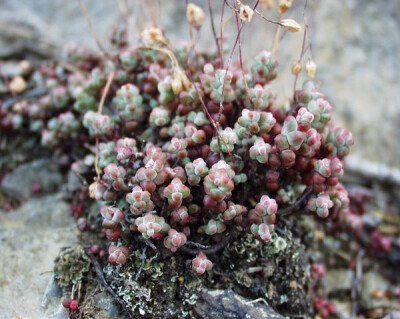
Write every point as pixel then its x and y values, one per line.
pixel 118 255
pixel 176 192
pixel 139 201
pixel 129 102
pixel 176 139
pixel 152 226
pixel 201 263
pixel 174 240
pixel 112 217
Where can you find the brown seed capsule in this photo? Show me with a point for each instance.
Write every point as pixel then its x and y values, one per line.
pixel 17 84
pixel 284 5
pixel 290 25
pixel 296 67
pixel 180 81
pixel 92 189
pixel 267 4
pixel 25 66
pixel 311 68
pixel 246 13
pixel 195 15
pixel 153 36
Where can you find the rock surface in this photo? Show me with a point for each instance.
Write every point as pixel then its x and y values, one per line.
pixel 339 280
pixel 227 304
pixel 42 174
pixel 31 237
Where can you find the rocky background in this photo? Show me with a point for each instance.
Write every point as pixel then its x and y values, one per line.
pixel 356 46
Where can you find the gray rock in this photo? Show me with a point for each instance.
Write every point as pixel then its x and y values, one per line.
pixel 31 238
pixel 395 314
pixel 343 309
pixel 373 281
pixel 226 304
pixel 358 57
pixel 106 305
pixel 53 291
pixel 339 280
pixel 42 171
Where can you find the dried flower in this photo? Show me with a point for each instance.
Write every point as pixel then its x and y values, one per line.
pixel 153 36
pixel 17 84
pixel 25 66
pixel 245 13
pixel 284 5
pixel 311 68
pixel 194 15
pixel 180 81
pixel 290 25
pixel 267 4
pixel 296 67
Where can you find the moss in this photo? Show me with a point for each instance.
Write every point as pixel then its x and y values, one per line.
pixel 166 288
pixel 71 266
pixel 259 270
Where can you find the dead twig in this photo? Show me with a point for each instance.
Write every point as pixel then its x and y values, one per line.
pixel 104 283
pixel 200 246
pixel 36 92
pixel 100 110
pixel 123 8
pixel 143 257
pixel 213 28
pixel 303 45
pixel 237 41
pixel 221 36
pixel 148 243
pixel 105 92
pixel 211 249
pixel 288 210
pixel 93 30
pixel 221 104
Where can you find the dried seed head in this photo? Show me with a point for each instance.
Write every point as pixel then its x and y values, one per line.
pixel 92 190
pixel 284 5
pixel 20 107
pixel 290 25
pixel 25 66
pixel 17 84
pixel 267 4
pixel 180 81
pixel 296 67
pixel 246 13
pixel 153 36
pixel 311 68
pixel 195 15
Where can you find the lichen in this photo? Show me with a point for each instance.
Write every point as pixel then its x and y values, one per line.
pixel 71 266
pixel 164 289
